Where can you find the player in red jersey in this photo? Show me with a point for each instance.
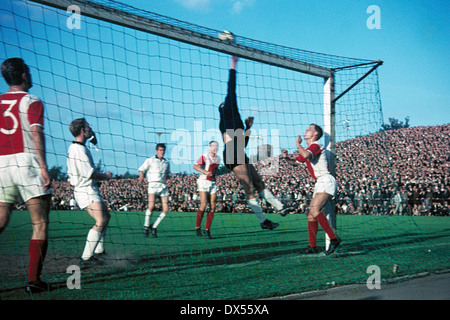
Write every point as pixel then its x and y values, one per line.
pixel 207 165
pixel 324 190
pixel 23 167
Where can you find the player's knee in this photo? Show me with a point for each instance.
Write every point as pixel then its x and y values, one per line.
pixel 312 214
pixel 102 223
pixel 259 185
pixel 4 221
pixel 248 188
pixel 100 227
pixel 40 228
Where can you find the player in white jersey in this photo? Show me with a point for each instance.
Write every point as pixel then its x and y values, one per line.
pixel 324 189
pixel 207 165
pixel 155 170
pixel 84 178
pixel 23 167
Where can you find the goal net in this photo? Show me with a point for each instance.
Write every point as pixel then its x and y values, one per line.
pixel 139 79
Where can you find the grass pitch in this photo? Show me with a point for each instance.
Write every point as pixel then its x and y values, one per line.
pixel 242 261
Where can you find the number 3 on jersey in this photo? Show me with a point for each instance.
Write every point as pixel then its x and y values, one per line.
pixel 8 114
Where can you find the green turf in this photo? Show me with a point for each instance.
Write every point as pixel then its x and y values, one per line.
pixel 241 262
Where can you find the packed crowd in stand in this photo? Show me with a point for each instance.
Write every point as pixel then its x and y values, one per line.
pixel 396 172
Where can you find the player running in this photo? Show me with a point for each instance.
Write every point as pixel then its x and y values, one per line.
pixel 84 178
pixel 155 169
pixel 236 138
pixel 324 189
pixel 23 167
pixel 207 165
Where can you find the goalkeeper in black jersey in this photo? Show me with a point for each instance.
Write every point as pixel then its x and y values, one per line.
pixel 236 137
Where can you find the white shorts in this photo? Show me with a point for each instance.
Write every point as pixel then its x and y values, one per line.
pixel 158 189
pixel 206 186
pixel 20 178
pixel 327 184
pixel 85 196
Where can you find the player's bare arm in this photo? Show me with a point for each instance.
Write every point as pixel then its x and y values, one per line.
pixel 39 145
pixel 141 177
pixel 303 152
pixel 284 155
pixel 234 61
pixel 200 169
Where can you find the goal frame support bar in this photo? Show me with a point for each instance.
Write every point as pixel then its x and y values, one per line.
pixel 377 64
pixel 330 145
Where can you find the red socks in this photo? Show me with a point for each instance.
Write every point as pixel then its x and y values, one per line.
pixel 37 251
pixel 313 227
pixel 209 219
pixel 325 225
pixel 198 222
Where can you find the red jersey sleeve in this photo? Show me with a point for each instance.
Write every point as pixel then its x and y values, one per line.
pixel 300 158
pixel 36 113
pixel 201 161
pixel 315 150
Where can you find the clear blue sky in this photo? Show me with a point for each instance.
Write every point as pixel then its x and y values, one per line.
pixel 413 42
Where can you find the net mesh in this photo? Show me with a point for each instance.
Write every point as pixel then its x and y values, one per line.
pixel 137 89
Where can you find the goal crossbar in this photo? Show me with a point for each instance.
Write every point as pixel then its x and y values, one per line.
pixel 145 24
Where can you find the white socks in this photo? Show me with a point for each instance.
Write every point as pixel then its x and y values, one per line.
pixel 158 220
pixel 266 194
pixel 92 241
pixel 148 214
pixel 254 205
pixel 100 246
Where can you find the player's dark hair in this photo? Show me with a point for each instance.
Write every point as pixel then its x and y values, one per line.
pixel 12 71
pixel 160 145
pixel 77 125
pixel 318 130
pixel 213 142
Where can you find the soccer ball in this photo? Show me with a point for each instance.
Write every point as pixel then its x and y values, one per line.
pixel 226 36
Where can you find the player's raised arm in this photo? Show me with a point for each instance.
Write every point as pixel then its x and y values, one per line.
pixel 284 155
pixel 303 152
